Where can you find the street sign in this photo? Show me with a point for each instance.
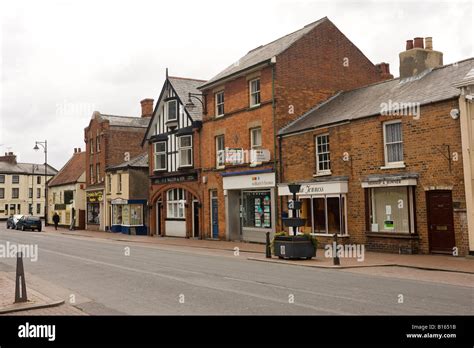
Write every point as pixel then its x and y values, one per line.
pixel 294 222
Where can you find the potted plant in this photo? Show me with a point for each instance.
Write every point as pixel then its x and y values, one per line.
pixel 301 246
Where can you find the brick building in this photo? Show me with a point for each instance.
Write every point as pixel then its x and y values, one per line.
pixel 248 102
pixel 110 140
pixel 174 139
pixel 383 163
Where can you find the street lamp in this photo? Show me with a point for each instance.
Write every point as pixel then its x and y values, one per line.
pixel 190 105
pixel 44 145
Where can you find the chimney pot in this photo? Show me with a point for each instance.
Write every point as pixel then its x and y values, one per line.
pixel 429 43
pixel 418 42
pixel 147 107
pixel 409 44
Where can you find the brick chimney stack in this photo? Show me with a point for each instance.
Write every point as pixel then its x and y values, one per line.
pixel 8 158
pixel 384 71
pixel 418 57
pixel 147 107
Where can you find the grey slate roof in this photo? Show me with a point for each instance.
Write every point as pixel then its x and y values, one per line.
pixel 140 161
pixel 126 121
pixel 265 52
pixel 184 86
pixel 431 86
pixel 25 168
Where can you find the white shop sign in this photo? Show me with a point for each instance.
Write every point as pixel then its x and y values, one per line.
pixel 313 189
pixel 389 182
pixel 249 181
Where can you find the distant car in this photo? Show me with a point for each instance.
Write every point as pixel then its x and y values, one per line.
pixel 12 221
pixel 29 222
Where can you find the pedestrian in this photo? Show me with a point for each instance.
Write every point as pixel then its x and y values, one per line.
pixel 56 220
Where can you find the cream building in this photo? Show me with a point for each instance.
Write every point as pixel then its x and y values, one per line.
pixel 66 193
pixel 466 114
pixel 22 187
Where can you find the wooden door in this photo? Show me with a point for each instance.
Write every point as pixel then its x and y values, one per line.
pixel 439 205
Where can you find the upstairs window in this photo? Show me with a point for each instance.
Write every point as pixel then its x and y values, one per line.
pixel 220 151
pixel 160 155
pixel 119 183
pixel 393 143
pixel 323 158
pixel 91 146
pixel 91 173
pixel 97 168
pixel 172 110
pixel 15 179
pixel 38 193
pixel 30 192
pixel 185 145
pixel 2 179
pixel 2 193
pixel 97 142
pixel 15 192
pixel 109 183
pixel 254 87
pixel 38 180
pixel 219 97
pixel 256 138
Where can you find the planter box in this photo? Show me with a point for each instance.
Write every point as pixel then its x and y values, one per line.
pixel 293 247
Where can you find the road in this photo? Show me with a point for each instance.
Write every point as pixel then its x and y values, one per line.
pixel 112 277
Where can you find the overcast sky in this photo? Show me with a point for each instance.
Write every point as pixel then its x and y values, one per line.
pixel 61 60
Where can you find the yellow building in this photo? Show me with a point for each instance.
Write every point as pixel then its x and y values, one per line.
pixel 126 190
pixel 466 114
pixel 22 187
pixel 66 193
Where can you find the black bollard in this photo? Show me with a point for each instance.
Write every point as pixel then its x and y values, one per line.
pixel 268 250
pixel 20 285
pixel 336 261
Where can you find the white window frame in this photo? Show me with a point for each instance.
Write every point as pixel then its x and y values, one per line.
pixel 324 171
pixel 119 182
pixel 252 93
pixel 109 183
pixel 185 148
pixel 157 154
pixel 218 104
pixel 168 119
pixel 397 164
pixel 220 165
pixel 175 208
pixel 254 146
pixel 97 171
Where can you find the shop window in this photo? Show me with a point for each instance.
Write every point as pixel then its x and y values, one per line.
pixel 323 160
pixel 160 155
pixel 93 211
pixel 256 209
pixel 136 215
pixel 393 143
pixel 219 98
pixel 175 204
pixel 185 145
pixel 391 209
pixel 117 214
pixel 254 87
pixel 329 215
pixel 220 151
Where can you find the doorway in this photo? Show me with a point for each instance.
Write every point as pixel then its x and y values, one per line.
pixel 196 219
pixel 439 207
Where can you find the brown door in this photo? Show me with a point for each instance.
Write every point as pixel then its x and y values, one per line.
pixel 439 205
pixel 82 219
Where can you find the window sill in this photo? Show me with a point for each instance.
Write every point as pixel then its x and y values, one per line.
pixel 397 235
pixel 322 174
pixel 330 235
pixel 256 106
pixel 394 166
pixel 184 167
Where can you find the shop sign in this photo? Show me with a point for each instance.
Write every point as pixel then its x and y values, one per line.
pixel 310 189
pixel 175 178
pixel 94 196
pixel 389 182
pixel 249 181
pixel 119 201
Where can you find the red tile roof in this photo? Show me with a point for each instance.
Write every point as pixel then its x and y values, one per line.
pixel 71 172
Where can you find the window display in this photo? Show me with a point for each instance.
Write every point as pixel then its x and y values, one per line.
pixel 390 209
pixel 93 211
pixel 256 210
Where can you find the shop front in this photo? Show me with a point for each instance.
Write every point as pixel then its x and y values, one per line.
pixel 249 205
pixel 128 216
pixel 323 206
pixel 94 201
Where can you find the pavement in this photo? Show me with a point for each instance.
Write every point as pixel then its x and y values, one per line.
pixel 117 274
pixel 446 263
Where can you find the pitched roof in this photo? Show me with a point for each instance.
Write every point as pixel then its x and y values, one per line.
pixel 71 171
pixel 126 121
pixel 25 168
pixel 425 88
pixel 184 86
pixel 140 161
pixel 264 53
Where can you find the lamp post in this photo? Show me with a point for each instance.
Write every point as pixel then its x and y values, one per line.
pixel 190 105
pixel 44 145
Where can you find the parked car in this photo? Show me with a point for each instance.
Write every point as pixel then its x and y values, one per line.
pixel 29 222
pixel 12 220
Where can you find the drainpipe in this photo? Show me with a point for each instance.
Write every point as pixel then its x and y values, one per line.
pixel 273 63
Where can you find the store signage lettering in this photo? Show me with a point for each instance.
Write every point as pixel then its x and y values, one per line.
pixel 119 201
pixel 258 181
pixel 311 189
pixel 385 182
pixel 178 178
pixel 95 196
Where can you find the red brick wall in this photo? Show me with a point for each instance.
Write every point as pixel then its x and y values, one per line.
pixel 363 140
